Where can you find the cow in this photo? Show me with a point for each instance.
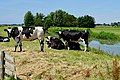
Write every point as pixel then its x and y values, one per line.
pixel 20 34
pixel 74 36
pixel 55 43
pixel 4 39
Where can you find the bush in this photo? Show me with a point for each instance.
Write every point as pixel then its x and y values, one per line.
pixel 105 35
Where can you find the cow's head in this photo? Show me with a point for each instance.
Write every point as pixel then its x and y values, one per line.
pixel 48 37
pixel 85 34
pixel 48 41
pixel 12 32
pixel 8 31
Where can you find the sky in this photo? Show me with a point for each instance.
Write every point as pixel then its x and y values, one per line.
pixel 104 11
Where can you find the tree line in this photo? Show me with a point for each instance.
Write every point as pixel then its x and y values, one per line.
pixel 58 18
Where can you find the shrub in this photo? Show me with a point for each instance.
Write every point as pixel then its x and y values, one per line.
pixel 104 35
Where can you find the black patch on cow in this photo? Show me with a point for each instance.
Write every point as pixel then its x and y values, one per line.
pixel 70 35
pixel 14 32
pixel 74 46
pixel 27 31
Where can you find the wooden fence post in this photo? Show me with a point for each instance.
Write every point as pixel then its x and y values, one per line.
pixel 2 65
pixel 7 65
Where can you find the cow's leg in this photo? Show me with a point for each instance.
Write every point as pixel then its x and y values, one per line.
pixel 15 48
pixel 17 40
pixel 84 44
pixel 16 45
pixel 66 45
pixel 42 45
pixel 20 45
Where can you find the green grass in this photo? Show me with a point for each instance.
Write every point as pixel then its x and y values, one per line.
pixel 2 32
pixel 60 64
pixel 115 30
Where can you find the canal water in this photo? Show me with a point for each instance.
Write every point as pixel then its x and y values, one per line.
pixel 110 49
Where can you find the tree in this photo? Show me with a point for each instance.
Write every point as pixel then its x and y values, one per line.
pixel 38 19
pixel 28 19
pixel 58 18
pixel 48 20
pixel 70 20
pixel 61 18
pixel 86 21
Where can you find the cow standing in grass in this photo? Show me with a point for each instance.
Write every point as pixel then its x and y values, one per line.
pixel 20 34
pixel 74 36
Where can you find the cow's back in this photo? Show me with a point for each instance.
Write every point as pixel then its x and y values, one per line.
pixel 71 35
pixel 38 33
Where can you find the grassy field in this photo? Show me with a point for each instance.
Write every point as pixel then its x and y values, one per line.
pixel 107 29
pixel 62 64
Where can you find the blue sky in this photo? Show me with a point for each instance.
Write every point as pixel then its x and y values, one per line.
pixel 104 11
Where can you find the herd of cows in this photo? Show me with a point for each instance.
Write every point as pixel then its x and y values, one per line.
pixel 68 39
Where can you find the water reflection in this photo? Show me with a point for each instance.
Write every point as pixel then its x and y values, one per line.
pixel 111 49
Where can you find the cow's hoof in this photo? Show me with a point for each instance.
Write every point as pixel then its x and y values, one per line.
pixel 14 51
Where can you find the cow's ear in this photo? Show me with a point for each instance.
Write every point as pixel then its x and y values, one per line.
pixel 60 32
pixel 5 30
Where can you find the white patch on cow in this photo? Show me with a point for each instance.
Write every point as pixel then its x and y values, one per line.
pixel 49 37
pixel 6 39
pixel 64 42
pixel 82 41
pixel 60 32
pixel 50 48
pixel 68 48
pixel 20 29
pixel 9 30
pixel 17 39
pixel 33 30
pixel 40 33
pixel 85 31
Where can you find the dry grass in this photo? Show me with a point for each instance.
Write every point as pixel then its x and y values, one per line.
pixel 63 65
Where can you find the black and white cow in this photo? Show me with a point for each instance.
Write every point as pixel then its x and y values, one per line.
pixel 20 34
pixel 4 39
pixel 55 43
pixel 75 36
